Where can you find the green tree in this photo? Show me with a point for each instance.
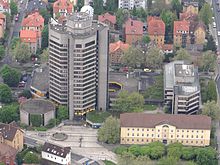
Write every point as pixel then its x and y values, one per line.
pixel 126 102
pixel 146 39
pixel 176 6
pixel 211 91
pixel 206 156
pixel 44 57
pixel 126 158
pixel 46 15
pixel 98 6
pixel 10 76
pixel 120 150
pixel 205 14
pixel 154 58
pixel 135 150
pixel 80 4
pixel 62 113
pixel 211 109
pixel 9 113
pixel 210 45
pixel 21 52
pixel 168 17
pixel 2 52
pixel 26 93
pixel 112 5
pixel 174 150
pixel 134 57
pixel 31 157
pixel 191 163
pixel 182 54
pixel 157 150
pixel 13 8
pixel 208 61
pixel 122 16
pixel 110 131
pixel 5 93
pixel 45 34
pixel 188 153
pixel 167 161
pixel 14 42
pixel 51 123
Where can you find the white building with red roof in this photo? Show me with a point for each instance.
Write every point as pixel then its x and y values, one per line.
pixel 108 19
pixel 62 8
pixel 33 21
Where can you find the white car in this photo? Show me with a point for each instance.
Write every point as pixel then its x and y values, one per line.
pixel 218 33
pixel 214 25
pixel 216 43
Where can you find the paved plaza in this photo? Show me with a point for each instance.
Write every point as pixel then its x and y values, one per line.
pixel 82 140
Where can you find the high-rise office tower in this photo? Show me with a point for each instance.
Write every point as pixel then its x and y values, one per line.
pixel 78 60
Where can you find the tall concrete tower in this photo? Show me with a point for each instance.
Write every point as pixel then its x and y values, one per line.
pixel 78 60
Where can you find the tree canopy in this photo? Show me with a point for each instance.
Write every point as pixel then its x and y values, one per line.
pixel 45 34
pixel 128 102
pixel 46 15
pixel 5 93
pixel 205 14
pixel 2 52
pixel 44 56
pixel 122 16
pixel 206 156
pixel 182 54
pixel 26 93
pixel 13 8
pixel 134 57
pixel 31 157
pixel 111 5
pixel 21 52
pixel 9 113
pixel 211 109
pixel 62 113
pixel 208 61
pixel 109 131
pixel 98 6
pixel 154 58
pixel 11 76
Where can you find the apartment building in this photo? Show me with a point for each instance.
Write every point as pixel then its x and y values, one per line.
pixel 12 136
pixel 181 33
pixel 130 4
pixel 181 87
pixel 142 128
pixel 156 30
pixel 78 64
pixel 56 154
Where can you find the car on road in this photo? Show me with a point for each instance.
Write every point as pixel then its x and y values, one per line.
pixel 218 33
pixel 147 70
pixel 214 25
pixel 17 17
pixel 216 43
pixel 21 84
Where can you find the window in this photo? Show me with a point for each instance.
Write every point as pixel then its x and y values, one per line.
pixel 182 136
pixel 142 134
pixel 182 130
pixel 137 140
pixel 197 131
pixel 132 129
pixel 128 134
pixel 128 140
pixel 158 130
pixel 202 131
pixel 201 142
pixel 171 130
pixel 138 134
pixel 201 136
pixel 147 129
pixel 89 43
pixel 187 141
pixel 191 141
pixel 78 46
pixel 192 131
pixel 142 140
pixel 171 136
pixel 196 142
pixel 147 135
pixel 192 136
pixel 132 139
pixel 197 136
pixel 133 134
pixel 128 129
pixel 158 135
pixel 177 135
pixel 142 129
pixel 138 129
pixel 152 135
pixel 177 130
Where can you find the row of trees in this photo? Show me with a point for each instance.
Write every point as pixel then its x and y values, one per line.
pixel 170 154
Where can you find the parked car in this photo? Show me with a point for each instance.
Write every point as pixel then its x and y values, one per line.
pixel 21 84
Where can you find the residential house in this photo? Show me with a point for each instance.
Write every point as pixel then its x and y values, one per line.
pixel 198 32
pixel 32 39
pixel 57 154
pixel 191 7
pixel 167 48
pixel 181 33
pixel 62 8
pixel 7 154
pixel 12 135
pixel 2 24
pixel 156 30
pixel 130 4
pixel 33 22
pixel 182 88
pixel 108 19
pixel 133 31
pixel 143 128
pixel 116 51
pixel 5 6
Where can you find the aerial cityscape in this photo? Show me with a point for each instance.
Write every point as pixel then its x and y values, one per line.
pixel 109 82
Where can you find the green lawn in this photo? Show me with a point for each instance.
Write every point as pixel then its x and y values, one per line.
pixel 97 117
pixel 150 107
pixel 108 162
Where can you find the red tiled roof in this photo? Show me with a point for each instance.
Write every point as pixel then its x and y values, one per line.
pixel 156 26
pixel 5 4
pixel 63 4
pixel 107 16
pixel 7 151
pixel 29 36
pixel 188 16
pixel 151 120
pixel 2 16
pixel 134 27
pixel 167 47
pixel 33 20
pixel 180 26
pixel 118 45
